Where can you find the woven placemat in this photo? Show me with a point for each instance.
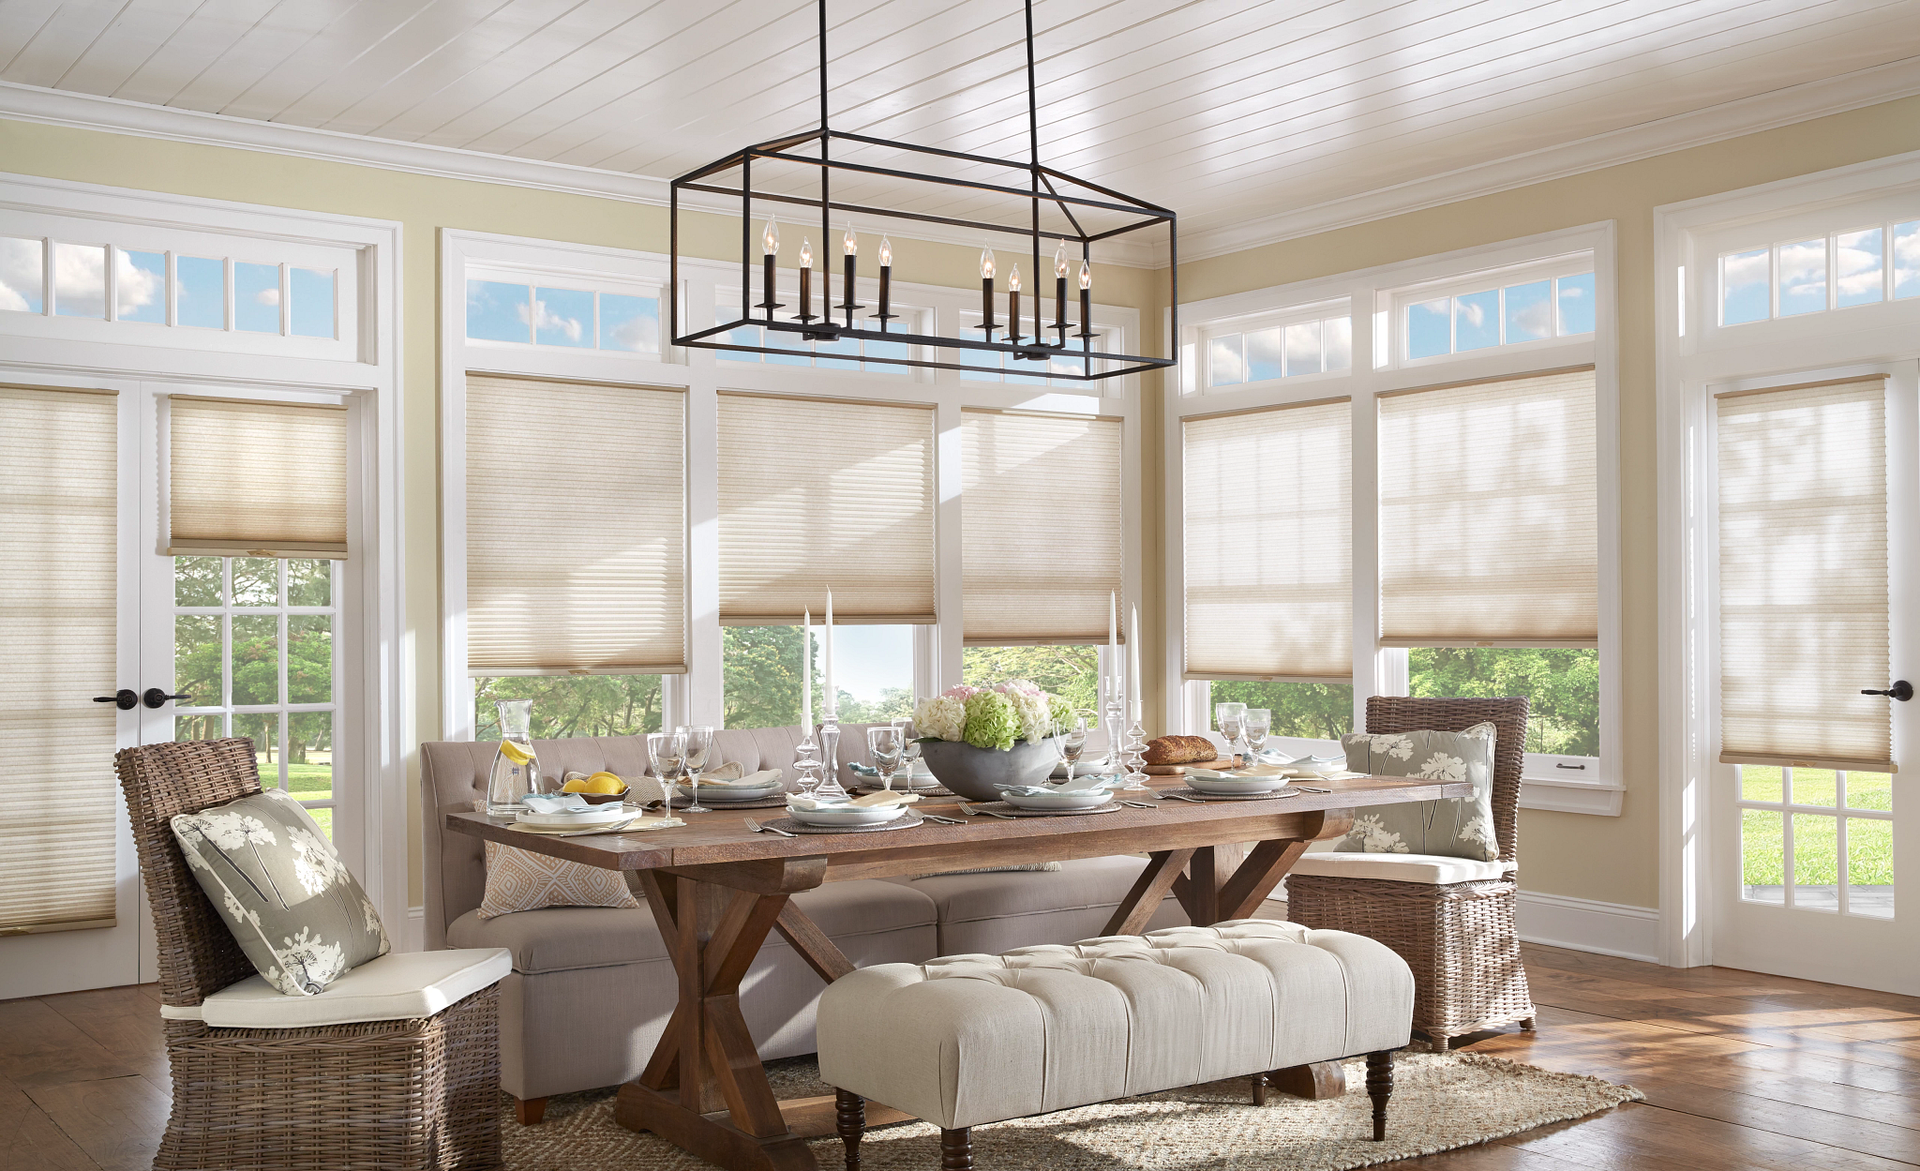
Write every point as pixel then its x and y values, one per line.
pixel 1197 795
pixel 936 791
pixel 777 801
pixel 1007 809
pixel 799 827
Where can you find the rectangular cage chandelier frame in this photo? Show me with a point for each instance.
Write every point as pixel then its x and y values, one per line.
pixel 1061 342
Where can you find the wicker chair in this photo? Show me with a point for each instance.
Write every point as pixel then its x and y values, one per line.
pixel 421 1093
pixel 1458 937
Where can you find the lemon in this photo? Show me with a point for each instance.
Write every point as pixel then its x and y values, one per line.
pixel 576 785
pixel 515 752
pixel 605 783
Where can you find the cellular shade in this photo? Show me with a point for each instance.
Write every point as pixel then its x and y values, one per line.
pixel 1040 531
pixel 1268 557
pixel 1489 532
pixel 256 479
pixel 1803 576
pixel 818 493
pixel 576 527
pixel 58 524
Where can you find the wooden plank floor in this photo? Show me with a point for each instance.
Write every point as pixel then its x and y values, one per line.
pixel 1740 1070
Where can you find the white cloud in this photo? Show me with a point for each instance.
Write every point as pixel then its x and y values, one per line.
pixel 1227 366
pixel 134 288
pixel 80 279
pixel 545 318
pixel 1746 269
pixel 19 273
pixel 1474 312
pixel 1803 268
pixel 638 333
pixel 267 297
pixel 1535 320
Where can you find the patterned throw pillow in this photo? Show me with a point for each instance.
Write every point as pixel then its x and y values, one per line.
pixel 1461 828
pixel 283 891
pixel 520 880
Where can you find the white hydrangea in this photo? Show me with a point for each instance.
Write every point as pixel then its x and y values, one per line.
pixel 1030 708
pixel 943 716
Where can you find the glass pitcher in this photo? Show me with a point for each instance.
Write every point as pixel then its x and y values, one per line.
pixel 516 770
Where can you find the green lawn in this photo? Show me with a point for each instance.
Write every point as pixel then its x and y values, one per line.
pixel 1816 837
pixel 309 782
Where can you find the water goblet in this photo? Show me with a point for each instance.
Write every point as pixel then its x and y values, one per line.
pixel 1232 718
pixel 1070 740
pixel 884 744
pixel 909 750
pixel 668 753
pixel 1259 724
pixel 699 746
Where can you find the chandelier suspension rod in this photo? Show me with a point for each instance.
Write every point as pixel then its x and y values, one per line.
pixel 826 198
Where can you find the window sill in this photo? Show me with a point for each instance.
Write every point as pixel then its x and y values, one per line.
pixel 1559 795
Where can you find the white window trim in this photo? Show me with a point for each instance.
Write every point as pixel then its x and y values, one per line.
pixel 698 694
pixel 1382 670
pixel 365 373
pixel 1692 353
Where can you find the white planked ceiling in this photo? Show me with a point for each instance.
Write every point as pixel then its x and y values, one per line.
pixel 1228 111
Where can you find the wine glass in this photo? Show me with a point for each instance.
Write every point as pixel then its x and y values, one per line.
pixel 1259 724
pixel 1070 740
pixel 883 744
pixel 699 744
pixel 1233 722
pixel 909 750
pixel 668 752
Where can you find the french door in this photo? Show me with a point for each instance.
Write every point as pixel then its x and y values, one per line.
pixel 167 648
pixel 1816 844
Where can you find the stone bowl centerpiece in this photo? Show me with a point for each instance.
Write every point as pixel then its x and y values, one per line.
pixel 974 738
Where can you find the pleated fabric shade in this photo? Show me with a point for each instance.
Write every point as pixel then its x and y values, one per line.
pixel 575 564
pixel 1268 518
pixel 58 649
pixel 256 479
pixel 1489 531
pixel 1041 527
pixel 1804 576
pixel 825 493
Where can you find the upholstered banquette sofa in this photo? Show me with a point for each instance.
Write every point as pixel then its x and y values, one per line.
pixel 592 987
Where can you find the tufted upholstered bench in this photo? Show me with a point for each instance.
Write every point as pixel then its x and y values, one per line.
pixel 971 1039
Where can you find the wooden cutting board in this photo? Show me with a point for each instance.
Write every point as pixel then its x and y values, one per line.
pixel 1180 770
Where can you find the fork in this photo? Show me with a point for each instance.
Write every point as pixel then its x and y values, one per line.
pixel 1139 804
pixel 975 811
pixel 1181 797
pixel 756 827
pixel 1311 789
pixel 940 819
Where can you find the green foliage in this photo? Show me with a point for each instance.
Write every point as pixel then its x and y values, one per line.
pixel 1562 685
pixel 895 703
pixel 572 705
pixel 1311 711
pixel 1070 672
pixel 760 676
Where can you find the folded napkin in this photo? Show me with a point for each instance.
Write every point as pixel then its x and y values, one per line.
pixel 557 803
pixel 1051 790
pixel 722 780
pixel 1085 783
pixel 1257 772
pixel 882 800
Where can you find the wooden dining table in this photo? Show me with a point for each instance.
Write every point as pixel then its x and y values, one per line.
pixel 717 889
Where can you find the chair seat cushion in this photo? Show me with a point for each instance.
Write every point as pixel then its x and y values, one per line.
pixel 395 987
pixel 1437 869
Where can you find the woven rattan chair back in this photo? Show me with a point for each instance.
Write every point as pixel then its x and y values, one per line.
pixel 1399 713
pixel 198 955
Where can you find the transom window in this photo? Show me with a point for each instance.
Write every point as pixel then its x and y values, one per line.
pixel 1840 270
pixel 844 354
pixel 1534 310
pixel 1285 345
pixel 589 319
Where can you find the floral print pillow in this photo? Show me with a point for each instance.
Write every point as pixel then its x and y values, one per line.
pixel 1460 828
pixel 276 880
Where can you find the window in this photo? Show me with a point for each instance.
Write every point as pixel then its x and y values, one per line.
pixel 1530 311
pixel 841 355
pixel 872 667
pixel 1562 686
pixel 1859 266
pixel 571 705
pixel 1304 711
pixel 1070 672
pixel 996 366
pixel 1260 352
pixel 507 311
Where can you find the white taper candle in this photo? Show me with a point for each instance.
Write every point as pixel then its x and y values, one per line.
pixel 833 697
pixel 806 671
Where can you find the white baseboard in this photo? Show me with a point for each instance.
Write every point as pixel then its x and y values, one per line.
pixel 413 936
pixel 1613 929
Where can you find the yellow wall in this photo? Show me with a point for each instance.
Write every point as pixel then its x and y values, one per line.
pixel 1609 859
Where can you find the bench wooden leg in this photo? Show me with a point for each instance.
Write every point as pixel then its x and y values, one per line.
pixel 1380 1088
pixel 956 1149
pixel 529 1110
pixel 850 1115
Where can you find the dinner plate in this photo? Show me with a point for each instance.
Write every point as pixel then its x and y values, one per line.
pixel 727 795
pixel 845 815
pixel 594 815
pixel 1232 786
pixel 1071 799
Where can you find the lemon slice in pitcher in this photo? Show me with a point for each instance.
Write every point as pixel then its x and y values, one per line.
pixel 515 752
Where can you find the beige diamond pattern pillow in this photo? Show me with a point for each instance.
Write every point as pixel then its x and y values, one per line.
pixel 519 880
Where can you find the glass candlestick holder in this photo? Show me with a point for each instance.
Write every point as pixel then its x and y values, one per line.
pixel 830 788
pixel 1133 750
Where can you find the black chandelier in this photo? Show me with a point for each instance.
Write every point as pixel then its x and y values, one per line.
pixel 1078 214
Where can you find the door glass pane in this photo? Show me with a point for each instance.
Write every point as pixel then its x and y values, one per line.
pixel 264 730
pixel 309 583
pixel 1814 786
pixel 1803 277
pixel 198 661
pixel 199 726
pixel 256 581
pixel 1870 791
pixel 309 658
pixel 1816 862
pixel 197 580
pixel 80 280
pixel 1869 866
pixel 310 763
pixel 1762 856
pixel 256 660
pixel 1761 782
pixel 1861 267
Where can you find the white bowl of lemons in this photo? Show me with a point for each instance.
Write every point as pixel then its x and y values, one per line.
pixel 601 788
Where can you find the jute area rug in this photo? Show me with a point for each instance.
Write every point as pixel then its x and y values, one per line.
pixel 1440 1101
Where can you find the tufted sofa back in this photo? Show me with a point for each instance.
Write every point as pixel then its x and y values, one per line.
pixel 453 775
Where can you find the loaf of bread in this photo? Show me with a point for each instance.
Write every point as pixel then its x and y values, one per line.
pixel 1180 750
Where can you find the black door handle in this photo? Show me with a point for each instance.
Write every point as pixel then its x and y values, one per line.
pixel 158 697
pixel 124 699
pixel 1901 690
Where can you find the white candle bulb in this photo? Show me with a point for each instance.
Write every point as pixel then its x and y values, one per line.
pixel 986 264
pixel 1060 260
pixel 806 252
pixel 851 242
pixel 886 252
pixel 770 239
pixel 1086 275
pixel 1013 279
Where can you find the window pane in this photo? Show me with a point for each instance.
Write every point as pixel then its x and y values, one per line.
pixel 312 308
pixel 875 349
pixel 1870 791
pixel 139 286
pixel 1816 861
pixel 256 297
pixel 744 335
pixel 563 317
pixel 1429 332
pixel 781 340
pixel 498 312
pixel 1340 343
pixel 200 292
pixel 1476 321
pixel 1814 786
pixel 760 676
pixel 1530 311
pixel 256 581
pixel 1070 672
pixel 197 660
pixel 1761 782
pixel 629 323
pixel 1265 355
pixel 846 345
pixel 1803 277
pixel 1562 685
pixel 310 658
pixel 1869 866
pixel 80 280
pixel 1861 266
pixel 197 580
pixel 310 759
pixel 1906 259
pixel 1743 287
pixel 1311 711
pixel 572 705
pixel 1303 348
pixel 1224 364
pixel 256 660
pixel 1576 304
pixel 309 583
pixel 263 728
pixel 22 275
pixel 1762 856
pixel 982 365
